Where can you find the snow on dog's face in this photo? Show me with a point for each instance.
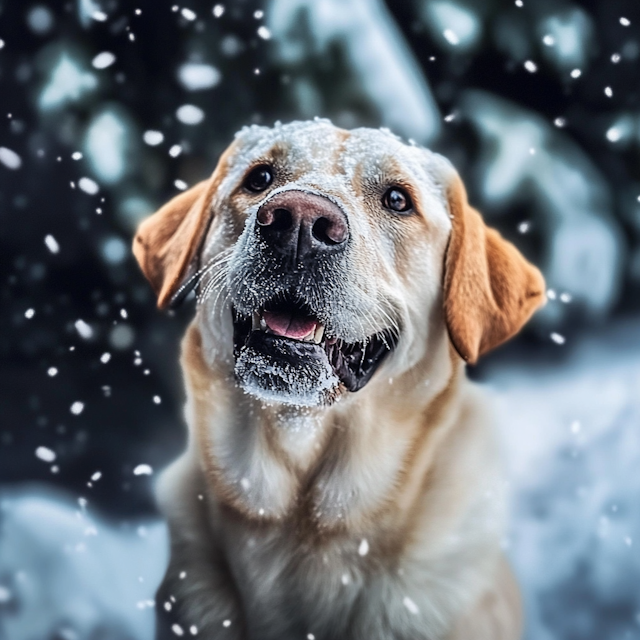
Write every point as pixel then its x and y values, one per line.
pixel 327 255
pixel 319 254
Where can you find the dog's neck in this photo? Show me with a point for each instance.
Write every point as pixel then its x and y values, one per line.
pixel 339 464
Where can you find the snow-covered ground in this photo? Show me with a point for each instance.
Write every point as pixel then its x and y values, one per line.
pixel 571 436
pixel 572 444
pixel 68 575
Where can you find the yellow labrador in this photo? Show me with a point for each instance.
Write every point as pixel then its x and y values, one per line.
pixel 341 480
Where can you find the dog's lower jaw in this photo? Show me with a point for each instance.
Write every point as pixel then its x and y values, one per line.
pixel 309 384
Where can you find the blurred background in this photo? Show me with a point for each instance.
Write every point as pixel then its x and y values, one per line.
pixel 108 108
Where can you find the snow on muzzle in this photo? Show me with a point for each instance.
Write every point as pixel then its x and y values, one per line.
pixel 284 354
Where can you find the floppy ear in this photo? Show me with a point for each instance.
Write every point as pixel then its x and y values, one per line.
pixel 166 242
pixel 490 290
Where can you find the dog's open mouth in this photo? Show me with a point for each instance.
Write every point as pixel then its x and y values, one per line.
pixel 284 353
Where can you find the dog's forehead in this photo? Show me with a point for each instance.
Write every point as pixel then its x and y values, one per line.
pixel 318 148
pixel 299 141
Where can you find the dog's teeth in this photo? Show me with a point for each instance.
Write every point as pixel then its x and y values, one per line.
pixel 263 324
pixel 255 322
pixel 319 334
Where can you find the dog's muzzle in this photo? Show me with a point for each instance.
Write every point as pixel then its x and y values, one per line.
pixel 285 348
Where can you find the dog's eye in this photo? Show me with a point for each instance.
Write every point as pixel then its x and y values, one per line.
pixel 397 200
pixel 259 178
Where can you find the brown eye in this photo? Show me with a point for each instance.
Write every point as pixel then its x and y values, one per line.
pixel 259 178
pixel 397 199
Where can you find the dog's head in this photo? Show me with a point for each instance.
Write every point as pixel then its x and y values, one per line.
pixel 319 253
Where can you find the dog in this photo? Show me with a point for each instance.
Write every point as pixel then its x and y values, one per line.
pixel 341 479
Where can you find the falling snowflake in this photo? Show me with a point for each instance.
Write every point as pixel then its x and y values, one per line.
pixel 613 134
pixel 9 158
pixel 143 470
pixel 103 60
pixel 52 244
pixel 410 605
pixel 153 138
pixel 190 114
pixel 523 227
pixel 451 37
pixel 77 408
pixel 84 330
pixel 196 76
pixel 264 33
pixel 45 454
pixel 88 186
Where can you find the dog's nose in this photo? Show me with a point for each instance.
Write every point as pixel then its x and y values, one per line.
pixel 301 225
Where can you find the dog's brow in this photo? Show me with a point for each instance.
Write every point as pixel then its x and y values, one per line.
pixel 280 150
pixel 254 154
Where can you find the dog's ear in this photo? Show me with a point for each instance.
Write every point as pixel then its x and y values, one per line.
pixel 490 290
pixel 167 241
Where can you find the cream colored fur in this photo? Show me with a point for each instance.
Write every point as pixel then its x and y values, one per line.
pixel 379 517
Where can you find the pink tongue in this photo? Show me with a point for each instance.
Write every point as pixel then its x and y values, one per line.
pixel 289 325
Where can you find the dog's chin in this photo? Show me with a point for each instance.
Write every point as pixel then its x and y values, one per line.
pixel 279 370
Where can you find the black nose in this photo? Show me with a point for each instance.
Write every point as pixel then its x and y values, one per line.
pixel 302 225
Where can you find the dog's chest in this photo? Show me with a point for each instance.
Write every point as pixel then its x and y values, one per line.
pixel 300 587
pixel 326 476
